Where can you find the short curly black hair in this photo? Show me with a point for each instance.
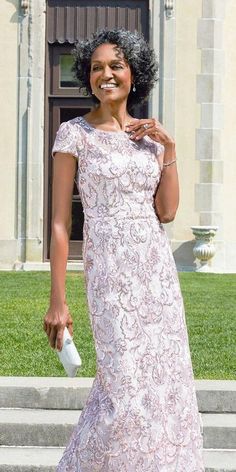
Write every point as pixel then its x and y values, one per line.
pixel 137 52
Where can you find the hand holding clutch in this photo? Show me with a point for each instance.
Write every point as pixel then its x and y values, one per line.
pixel 69 355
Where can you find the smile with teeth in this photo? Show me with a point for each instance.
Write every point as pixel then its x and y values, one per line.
pixel 108 86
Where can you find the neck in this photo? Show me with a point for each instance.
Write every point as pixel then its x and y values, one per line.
pixel 115 114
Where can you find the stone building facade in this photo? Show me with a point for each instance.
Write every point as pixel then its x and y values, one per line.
pixel 195 99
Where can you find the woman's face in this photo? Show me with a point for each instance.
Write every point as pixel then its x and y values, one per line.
pixel 110 74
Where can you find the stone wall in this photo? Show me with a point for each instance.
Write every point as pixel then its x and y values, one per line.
pixel 228 140
pixel 205 109
pixel 22 67
pixel 187 118
pixel 8 141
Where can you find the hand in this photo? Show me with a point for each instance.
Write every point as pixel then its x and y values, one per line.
pixel 152 128
pixel 55 320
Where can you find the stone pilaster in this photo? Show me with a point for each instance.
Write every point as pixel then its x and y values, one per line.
pixel 30 132
pixel 208 192
pixel 35 164
pixel 163 39
pixel 21 199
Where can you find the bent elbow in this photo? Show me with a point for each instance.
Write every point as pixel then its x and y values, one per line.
pixel 167 218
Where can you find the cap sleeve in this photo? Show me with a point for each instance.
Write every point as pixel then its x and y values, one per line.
pixel 68 139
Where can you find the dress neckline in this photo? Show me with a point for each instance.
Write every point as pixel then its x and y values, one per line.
pixel 101 130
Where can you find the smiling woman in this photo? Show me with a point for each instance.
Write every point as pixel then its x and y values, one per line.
pixel 110 76
pixel 110 73
pixel 141 414
pixel 128 47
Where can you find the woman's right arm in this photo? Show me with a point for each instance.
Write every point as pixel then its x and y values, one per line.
pixel 57 316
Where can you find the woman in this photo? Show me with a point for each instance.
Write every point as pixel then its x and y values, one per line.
pixel 141 414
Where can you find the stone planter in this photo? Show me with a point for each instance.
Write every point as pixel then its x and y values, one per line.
pixel 204 249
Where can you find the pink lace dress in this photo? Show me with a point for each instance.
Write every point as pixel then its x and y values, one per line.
pixel 141 414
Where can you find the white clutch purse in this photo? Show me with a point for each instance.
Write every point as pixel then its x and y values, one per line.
pixel 69 355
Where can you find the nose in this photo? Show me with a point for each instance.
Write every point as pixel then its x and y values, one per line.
pixel 107 73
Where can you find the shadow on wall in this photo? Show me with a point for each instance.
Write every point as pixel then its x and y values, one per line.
pixel 15 16
pixel 184 257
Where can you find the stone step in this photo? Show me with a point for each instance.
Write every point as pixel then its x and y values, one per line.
pixel 45 459
pixel 44 392
pixel 29 459
pixel 219 430
pixel 219 460
pixel 216 396
pixel 25 427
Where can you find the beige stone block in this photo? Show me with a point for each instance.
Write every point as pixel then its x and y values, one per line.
pixel 211 171
pixel 208 88
pixel 212 115
pixel 8 143
pixel 213 61
pixel 8 251
pixel 170 51
pixel 45 266
pixel 211 218
pixel 209 34
pixel 34 250
pixel 169 100
pixel 7 181
pixel 230 256
pixel 208 197
pixel 213 9
pixel 208 144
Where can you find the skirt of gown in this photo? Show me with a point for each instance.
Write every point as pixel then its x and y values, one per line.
pixel 141 414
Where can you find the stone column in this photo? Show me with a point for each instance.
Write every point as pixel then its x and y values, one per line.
pixel 21 200
pixel 163 35
pixel 35 141
pixel 162 32
pixel 30 132
pixel 208 192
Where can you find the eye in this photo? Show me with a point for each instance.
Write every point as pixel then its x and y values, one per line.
pixel 95 68
pixel 117 66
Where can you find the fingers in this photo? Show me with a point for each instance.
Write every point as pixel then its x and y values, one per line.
pixel 60 332
pixel 53 336
pixel 54 325
pixel 144 127
pixel 136 124
pixel 46 327
pixel 144 132
pixel 59 339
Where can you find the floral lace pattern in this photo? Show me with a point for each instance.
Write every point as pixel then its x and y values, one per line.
pixel 141 414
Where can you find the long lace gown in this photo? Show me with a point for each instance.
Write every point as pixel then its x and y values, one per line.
pixel 141 414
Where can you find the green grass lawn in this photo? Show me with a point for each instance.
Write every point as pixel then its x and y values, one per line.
pixel 24 349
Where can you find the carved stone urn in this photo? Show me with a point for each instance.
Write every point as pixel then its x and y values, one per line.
pixel 204 249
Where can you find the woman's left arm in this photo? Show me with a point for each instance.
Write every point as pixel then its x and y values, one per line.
pixel 167 195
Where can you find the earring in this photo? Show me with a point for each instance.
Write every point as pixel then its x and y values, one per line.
pixel 134 88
